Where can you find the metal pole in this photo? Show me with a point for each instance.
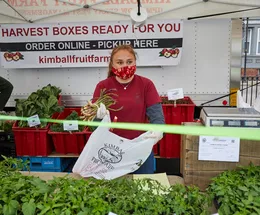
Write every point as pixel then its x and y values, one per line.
pixel 138 5
pixel 17 11
pixel 251 97
pixel 256 92
pixel 246 49
pixel 228 94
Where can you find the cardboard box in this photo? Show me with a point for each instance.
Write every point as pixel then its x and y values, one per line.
pixel 200 178
pixel 191 163
pixel 199 173
pixel 249 148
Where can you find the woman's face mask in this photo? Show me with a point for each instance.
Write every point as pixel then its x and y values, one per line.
pixel 125 72
pixel 124 64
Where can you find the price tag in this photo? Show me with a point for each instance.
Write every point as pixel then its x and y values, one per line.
pixel 175 94
pixel 33 121
pixel 70 125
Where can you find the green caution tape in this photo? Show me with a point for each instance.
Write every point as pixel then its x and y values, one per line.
pixel 242 133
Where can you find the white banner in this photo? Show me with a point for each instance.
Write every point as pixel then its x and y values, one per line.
pixel 157 43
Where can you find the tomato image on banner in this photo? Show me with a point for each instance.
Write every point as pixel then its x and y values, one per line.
pixel 173 52
pixel 9 56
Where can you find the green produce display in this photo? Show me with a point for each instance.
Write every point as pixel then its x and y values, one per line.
pixel 59 127
pixel 237 192
pixel 6 125
pixel 30 195
pixel 43 102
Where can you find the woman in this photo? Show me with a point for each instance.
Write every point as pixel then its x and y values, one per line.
pixel 136 94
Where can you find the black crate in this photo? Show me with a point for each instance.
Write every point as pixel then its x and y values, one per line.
pixel 7 149
pixel 170 166
pixel 6 137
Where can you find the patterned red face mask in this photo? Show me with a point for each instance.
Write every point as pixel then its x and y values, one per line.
pixel 124 72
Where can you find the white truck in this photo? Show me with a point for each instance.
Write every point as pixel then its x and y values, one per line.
pixel 211 51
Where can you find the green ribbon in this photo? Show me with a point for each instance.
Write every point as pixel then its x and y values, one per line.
pixel 242 133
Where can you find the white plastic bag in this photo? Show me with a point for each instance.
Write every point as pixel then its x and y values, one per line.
pixel 240 101
pixel 242 104
pixel 109 156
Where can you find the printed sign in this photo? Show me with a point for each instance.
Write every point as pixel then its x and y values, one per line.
pixel 175 94
pixel 70 125
pixel 219 148
pixel 157 43
pixel 33 121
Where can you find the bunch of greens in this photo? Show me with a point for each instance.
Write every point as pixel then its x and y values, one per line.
pixel 107 97
pixel 29 195
pixel 237 191
pixel 9 166
pixel 6 125
pixel 59 127
pixel 43 102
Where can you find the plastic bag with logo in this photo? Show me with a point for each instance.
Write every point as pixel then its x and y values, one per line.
pixel 109 156
pixel 242 104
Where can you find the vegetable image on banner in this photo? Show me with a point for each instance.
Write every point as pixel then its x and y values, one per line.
pixel 157 43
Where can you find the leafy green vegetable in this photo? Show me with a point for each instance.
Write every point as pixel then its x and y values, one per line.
pixel 10 165
pixel 43 102
pixel 237 191
pixel 29 195
pixel 59 127
pixel 29 208
pixel 6 125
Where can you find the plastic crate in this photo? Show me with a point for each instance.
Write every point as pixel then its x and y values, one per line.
pixel 169 146
pixel 71 165
pixel 65 142
pixel 6 137
pixel 33 141
pixel 47 164
pixel 7 149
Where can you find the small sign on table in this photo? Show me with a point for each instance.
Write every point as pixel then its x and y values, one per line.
pixel 175 94
pixel 33 121
pixel 70 125
pixel 219 148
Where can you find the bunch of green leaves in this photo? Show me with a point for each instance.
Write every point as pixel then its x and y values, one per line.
pixel 51 90
pixel 237 191
pixel 29 195
pixel 45 92
pixel 187 200
pixel 44 102
pixel 22 194
pixel 6 125
pixel 59 126
pixel 11 165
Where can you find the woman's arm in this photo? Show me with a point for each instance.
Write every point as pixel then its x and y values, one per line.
pixel 155 114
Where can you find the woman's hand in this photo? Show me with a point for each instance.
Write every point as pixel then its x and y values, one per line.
pixel 158 135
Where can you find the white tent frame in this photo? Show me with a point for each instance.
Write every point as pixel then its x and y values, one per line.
pixel 91 6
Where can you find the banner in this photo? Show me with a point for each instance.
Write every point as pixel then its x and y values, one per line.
pixel 157 43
